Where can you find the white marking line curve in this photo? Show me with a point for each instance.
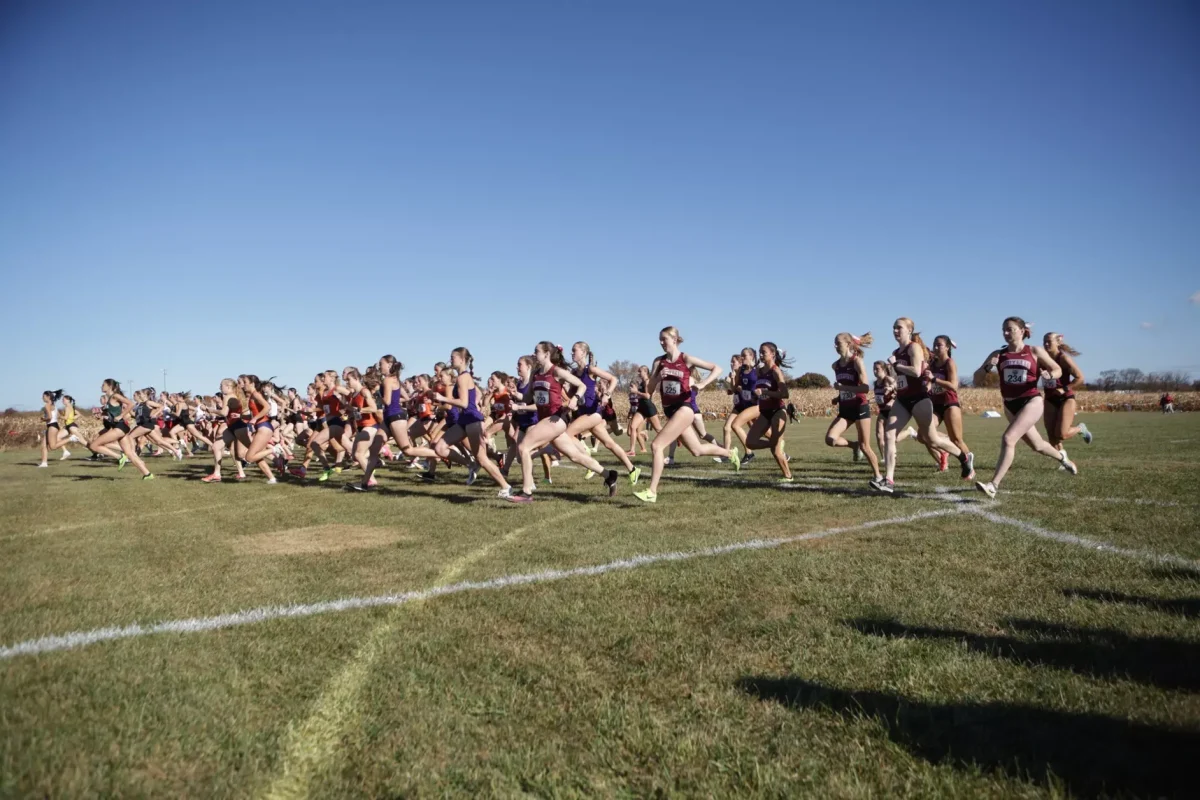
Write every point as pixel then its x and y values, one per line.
pixel 1081 541
pixel 75 639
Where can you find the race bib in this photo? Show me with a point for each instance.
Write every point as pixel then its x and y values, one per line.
pixel 541 397
pixel 325 408
pixel 901 381
pixel 847 395
pixel 1015 375
pixel 879 399
pixel 747 395
pixel 672 388
pixel 937 389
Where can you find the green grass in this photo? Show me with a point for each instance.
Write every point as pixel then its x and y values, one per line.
pixel 948 656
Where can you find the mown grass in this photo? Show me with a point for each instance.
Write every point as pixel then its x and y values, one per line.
pixel 946 656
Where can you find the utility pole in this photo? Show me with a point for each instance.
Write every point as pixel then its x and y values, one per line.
pixel 164 388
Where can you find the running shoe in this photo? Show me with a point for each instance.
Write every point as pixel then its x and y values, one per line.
pixel 325 475
pixel 517 497
pixel 43 465
pixel 211 479
pixel 968 467
pixel 149 476
pixel 610 481
pixel 883 485
pixel 122 461
pixel 736 458
pixel 749 457
pixel 788 479
pixel 634 475
pixel 354 487
pixel 272 481
pixel 858 453
pixel 299 471
pixel 1062 457
pixel 472 473
pixel 987 488
pixel 1083 431
pixel 1069 465
pixel 646 496
pixel 943 460
pixel 587 476
pixel 66 454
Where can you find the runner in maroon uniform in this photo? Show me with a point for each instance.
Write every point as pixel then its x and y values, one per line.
pixel 672 376
pixel 912 402
pixel 1019 365
pixel 770 391
pixel 943 389
pixel 545 391
pixel 1060 394
pixel 850 374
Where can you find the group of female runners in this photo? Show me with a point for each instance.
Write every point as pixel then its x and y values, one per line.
pixel 547 409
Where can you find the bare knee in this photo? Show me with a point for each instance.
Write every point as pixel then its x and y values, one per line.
pixel 1010 439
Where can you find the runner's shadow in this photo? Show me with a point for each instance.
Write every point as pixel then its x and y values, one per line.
pixel 1183 606
pixel 1176 574
pixel 86 477
pixel 1093 754
pixel 1096 652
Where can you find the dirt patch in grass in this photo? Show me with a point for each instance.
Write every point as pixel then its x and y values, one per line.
pixel 319 539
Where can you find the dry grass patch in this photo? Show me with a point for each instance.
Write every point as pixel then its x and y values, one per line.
pixel 319 539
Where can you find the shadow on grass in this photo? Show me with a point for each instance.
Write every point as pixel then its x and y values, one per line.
pixel 1092 754
pixel 87 477
pixel 1183 606
pixel 1176 574
pixel 1097 652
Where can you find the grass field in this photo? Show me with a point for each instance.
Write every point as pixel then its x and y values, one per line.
pixel 956 648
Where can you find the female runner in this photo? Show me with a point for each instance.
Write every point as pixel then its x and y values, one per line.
pixel 1019 365
pixel 642 410
pixel 745 409
pixel 260 423
pixel 468 422
pixel 850 376
pixel 51 435
pixel 770 391
pixel 235 436
pixel 942 377
pixel 672 377
pixel 1060 394
pixel 545 392
pixel 117 410
pixel 592 399
pixel 912 402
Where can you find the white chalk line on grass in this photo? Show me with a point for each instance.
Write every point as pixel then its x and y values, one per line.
pixel 311 744
pixel 1082 541
pixel 76 639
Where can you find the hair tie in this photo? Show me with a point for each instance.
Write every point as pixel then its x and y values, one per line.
pixel 857 341
pixel 953 345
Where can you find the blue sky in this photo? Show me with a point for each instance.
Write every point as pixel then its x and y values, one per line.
pixel 278 188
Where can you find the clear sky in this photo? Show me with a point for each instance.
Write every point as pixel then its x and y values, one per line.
pixel 281 187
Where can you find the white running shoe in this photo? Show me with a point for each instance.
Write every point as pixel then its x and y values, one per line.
pixel 73 439
pixel 1062 459
pixel 43 465
pixel 911 432
pixel 1069 465
pixel 272 481
pixel 66 454
pixel 1083 431
pixel 986 488
pixel 472 473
